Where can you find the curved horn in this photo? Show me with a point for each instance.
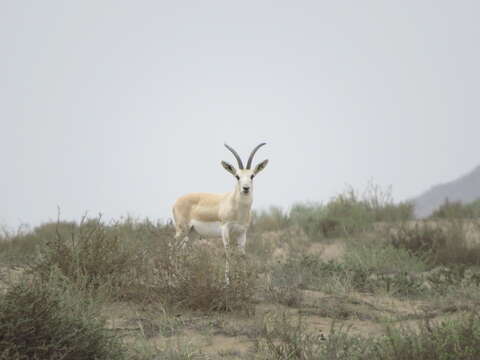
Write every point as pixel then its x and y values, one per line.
pixel 239 161
pixel 250 159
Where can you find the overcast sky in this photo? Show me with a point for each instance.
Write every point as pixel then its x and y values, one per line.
pixel 119 107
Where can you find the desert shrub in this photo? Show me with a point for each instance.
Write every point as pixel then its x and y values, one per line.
pixel 284 282
pixel 18 248
pixel 52 320
pixel 298 272
pixel 457 210
pixel 308 272
pixel 273 219
pixel 451 339
pixel 376 265
pixel 380 203
pixel 357 213
pixel 440 243
pixel 267 248
pixel 312 219
pixel 199 282
pixel 92 253
pixel 191 277
pixel 374 255
pixel 22 246
pixel 349 213
pixel 474 207
pixel 367 265
pixel 281 338
pixel 141 262
pixel 261 245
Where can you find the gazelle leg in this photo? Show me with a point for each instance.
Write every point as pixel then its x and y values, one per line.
pixel 226 245
pixel 242 241
pixel 181 237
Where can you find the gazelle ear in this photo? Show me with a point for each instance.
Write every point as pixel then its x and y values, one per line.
pixel 229 168
pixel 260 166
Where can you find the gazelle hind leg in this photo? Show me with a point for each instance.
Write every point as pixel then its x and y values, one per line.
pixel 182 236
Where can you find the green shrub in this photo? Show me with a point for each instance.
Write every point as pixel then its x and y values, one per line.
pixel 457 339
pixel 374 255
pixel 91 253
pixel 367 265
pixel 198 282
pixel 18 248
pixel 381 204
pixel 441 243
pixel 352 214
pixel 451 339
pixel 376 265
pixel 457 210
pixel 51 320
pixel 281 338
pixel 312 219
pixel 348 213
pixel 273 219
pixel 141 262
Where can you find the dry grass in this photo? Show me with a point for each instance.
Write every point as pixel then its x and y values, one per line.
pixel 288 299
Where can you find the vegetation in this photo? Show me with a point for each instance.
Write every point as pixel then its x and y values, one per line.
pixel 140 262
pixel 350 279
pixel 52 320
pixel 456 339
pixel 349 213
pixel 452 242
pixel 457 210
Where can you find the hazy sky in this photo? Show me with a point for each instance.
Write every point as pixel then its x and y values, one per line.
pixel 119 107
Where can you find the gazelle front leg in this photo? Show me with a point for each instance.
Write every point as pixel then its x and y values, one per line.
pixel 226 245
pixel 241 241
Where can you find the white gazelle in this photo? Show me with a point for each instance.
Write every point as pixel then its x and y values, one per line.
pixel 220 215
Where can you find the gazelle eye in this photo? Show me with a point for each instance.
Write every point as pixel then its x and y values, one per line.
pixel 252 176
pixel 238 177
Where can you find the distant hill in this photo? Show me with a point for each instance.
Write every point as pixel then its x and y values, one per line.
pixel 465 189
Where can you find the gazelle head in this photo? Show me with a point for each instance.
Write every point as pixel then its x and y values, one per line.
pixel 243 175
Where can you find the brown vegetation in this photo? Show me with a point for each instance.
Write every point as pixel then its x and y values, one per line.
pixel 322 281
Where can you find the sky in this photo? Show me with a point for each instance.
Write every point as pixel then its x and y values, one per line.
pixel 119 107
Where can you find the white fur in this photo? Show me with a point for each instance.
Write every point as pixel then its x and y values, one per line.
pixel 207 228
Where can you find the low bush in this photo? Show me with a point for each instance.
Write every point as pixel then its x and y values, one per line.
pixel 451 339
pixel 198 282
pixel 91 253
pixel 439 243
pixel 141 262
pixel 349 213
pixel 282 338
pixel 314 220
pixel 22 246
pixel 273 219
pixel 367 266
pixel 52 320
pixel 457 210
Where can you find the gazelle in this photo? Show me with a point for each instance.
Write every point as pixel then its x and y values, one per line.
pixel 214 215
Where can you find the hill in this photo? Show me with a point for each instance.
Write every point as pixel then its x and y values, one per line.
pixel 465 189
